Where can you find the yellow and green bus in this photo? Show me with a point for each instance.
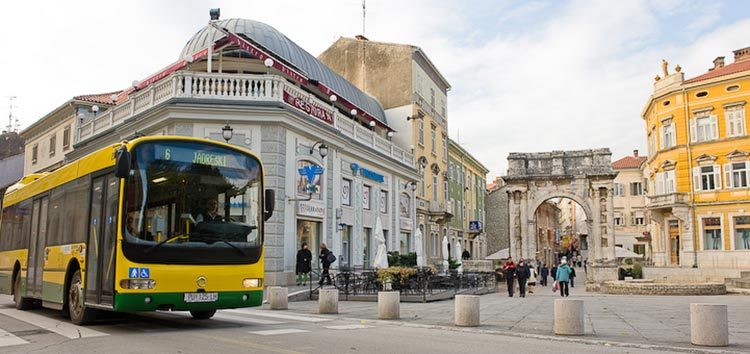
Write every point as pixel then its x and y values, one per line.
pixel 155 223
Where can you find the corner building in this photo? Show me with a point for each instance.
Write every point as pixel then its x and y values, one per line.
pixel 414 95
pixel 284 105
pixel 698 167
pixel 467 180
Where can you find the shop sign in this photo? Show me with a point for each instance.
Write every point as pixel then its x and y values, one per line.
pixel 310 209
pixel 311 108
pixel 406 223
pixel 369 174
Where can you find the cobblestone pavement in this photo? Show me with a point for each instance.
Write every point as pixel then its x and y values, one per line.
pixel 656 320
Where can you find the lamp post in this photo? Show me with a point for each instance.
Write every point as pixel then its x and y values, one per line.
pixel 322 149
pixel 227 132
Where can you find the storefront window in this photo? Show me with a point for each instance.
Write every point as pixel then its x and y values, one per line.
pixel 742 232
pixel 366 246
pixel 309 232
pixel 404 243
pixel 346 246
pixel 712 233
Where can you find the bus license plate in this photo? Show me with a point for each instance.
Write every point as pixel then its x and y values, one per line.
pixel 201 297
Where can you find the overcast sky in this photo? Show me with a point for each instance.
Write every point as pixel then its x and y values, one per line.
pixel 527 76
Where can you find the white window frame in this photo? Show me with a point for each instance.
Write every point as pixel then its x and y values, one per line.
pixel 383 201
pixel 733 231
pixel 433 140
pixel 635 218
pixel 702 236
pixel 735 121
pixel 668 138
pixel 700 177
pixel 435 187
pixel 420 137
pixel 366 197
pixel 730 173
pixel 704 128
pixel 665 183
pixel 636 188
pixel 346 201
pixel 618 190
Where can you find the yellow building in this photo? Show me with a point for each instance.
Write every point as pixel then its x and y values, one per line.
pixel 698 167
pixel 467 180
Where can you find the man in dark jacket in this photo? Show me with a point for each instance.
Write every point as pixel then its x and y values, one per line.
pixel 553 272
pixel 324 260
pixel 509 271
pixel 544 274
pixel 304 257
pixel 572 277
pixel 523 273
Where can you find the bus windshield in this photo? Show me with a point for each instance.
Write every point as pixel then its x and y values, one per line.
pixel 192 203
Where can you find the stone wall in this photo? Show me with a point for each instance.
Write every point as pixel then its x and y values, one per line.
pixel 628 288
pixel 689 275
pixel 477 266
pixel 496 223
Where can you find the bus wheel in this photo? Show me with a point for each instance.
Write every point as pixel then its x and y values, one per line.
pixel 22 303
pixel 203 315
pixel 79 313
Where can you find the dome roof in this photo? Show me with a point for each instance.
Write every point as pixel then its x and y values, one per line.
pixel 280 46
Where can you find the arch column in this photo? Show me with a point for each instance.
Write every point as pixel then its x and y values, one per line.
pixel 609 226
pixel 595 253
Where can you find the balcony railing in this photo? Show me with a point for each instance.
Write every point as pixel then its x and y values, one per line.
pixel 666 200
pixel 231 87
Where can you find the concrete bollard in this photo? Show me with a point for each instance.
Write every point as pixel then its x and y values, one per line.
pixel 278 297
pixel 467 311
pixel 389 307
pixel 709 325
pixel 569 317
pixel 328 301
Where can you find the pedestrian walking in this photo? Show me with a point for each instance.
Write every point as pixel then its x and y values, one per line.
pixel 326 258
pixel 304 258
pixel 553 272
pixel 572 277
pixel 509 271
pixel 544 274
pixel 563 276
pixel 523 273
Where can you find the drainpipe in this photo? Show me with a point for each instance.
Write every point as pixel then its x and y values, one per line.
pixel 690 173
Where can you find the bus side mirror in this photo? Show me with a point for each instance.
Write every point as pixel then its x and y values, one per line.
pixel 269 199
pixel 122 165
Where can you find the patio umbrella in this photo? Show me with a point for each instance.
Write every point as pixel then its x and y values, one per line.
pixel 381 256
pixel 445 253
pixel 419 248
pixel 458 257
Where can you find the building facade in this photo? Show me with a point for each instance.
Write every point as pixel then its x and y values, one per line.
pixel 467 179
pixel 547 218
pixel 497 223
pixel 630 203
pixel 698 194
pixel 414 95
pixel 294 113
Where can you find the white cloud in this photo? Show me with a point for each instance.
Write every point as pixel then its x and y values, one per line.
pixel 562 76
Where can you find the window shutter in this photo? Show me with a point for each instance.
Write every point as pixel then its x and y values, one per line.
pixel 673 136
pixel 714 128
pixel 717 176
pixel 728 175
pixel 697 179
pixel 662 142
pixel 730 123
pixel 693 131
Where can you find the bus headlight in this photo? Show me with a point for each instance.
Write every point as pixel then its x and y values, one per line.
pixel 251 283
pixel 138 283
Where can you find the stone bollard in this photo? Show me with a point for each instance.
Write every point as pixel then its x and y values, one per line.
pixel 569 317
pixel 389 307
pixel 278 297
pixel 467 311
pixel 709 325
pixel 328 301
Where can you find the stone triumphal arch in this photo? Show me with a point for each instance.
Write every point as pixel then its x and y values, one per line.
pixel 585 176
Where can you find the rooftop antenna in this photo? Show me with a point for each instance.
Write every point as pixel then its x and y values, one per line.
pixel 10 113
pixel 363 17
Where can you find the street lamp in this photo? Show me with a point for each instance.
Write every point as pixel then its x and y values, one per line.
pixel 95 109
pixel 227 132
pixel 322 149
pixel 420 115
pixel 413 185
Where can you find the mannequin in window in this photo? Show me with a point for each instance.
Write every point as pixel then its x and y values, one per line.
pixel 717 240
pixel 746 238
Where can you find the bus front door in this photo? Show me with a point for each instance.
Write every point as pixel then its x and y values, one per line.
pixel 100 258
pixel 37 253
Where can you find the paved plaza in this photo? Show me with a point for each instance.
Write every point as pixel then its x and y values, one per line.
pixel 637 320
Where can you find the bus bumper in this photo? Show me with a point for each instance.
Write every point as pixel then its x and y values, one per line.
pixel 134 302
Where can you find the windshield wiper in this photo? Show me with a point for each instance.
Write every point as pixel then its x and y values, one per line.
pixel 163 242
pixel 218 238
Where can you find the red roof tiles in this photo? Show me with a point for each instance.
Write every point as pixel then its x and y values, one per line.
pixel 629 162
pixel 733 68
pixel 102 98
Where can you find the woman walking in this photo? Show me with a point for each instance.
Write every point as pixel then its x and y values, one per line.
pixel 304 257
pixel 326 258
pixel 563 276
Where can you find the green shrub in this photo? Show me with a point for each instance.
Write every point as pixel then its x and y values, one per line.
pixel 452 263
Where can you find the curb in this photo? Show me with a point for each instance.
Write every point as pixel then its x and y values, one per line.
pixel 657 347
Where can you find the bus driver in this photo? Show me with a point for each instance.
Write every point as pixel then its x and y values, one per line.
pixel 211 214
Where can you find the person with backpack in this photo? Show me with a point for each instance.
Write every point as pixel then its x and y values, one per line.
pixel 304 258
pixel 562 278
pixel 572 277
pixel 509 271
pixel 326 258
pixel 523 273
